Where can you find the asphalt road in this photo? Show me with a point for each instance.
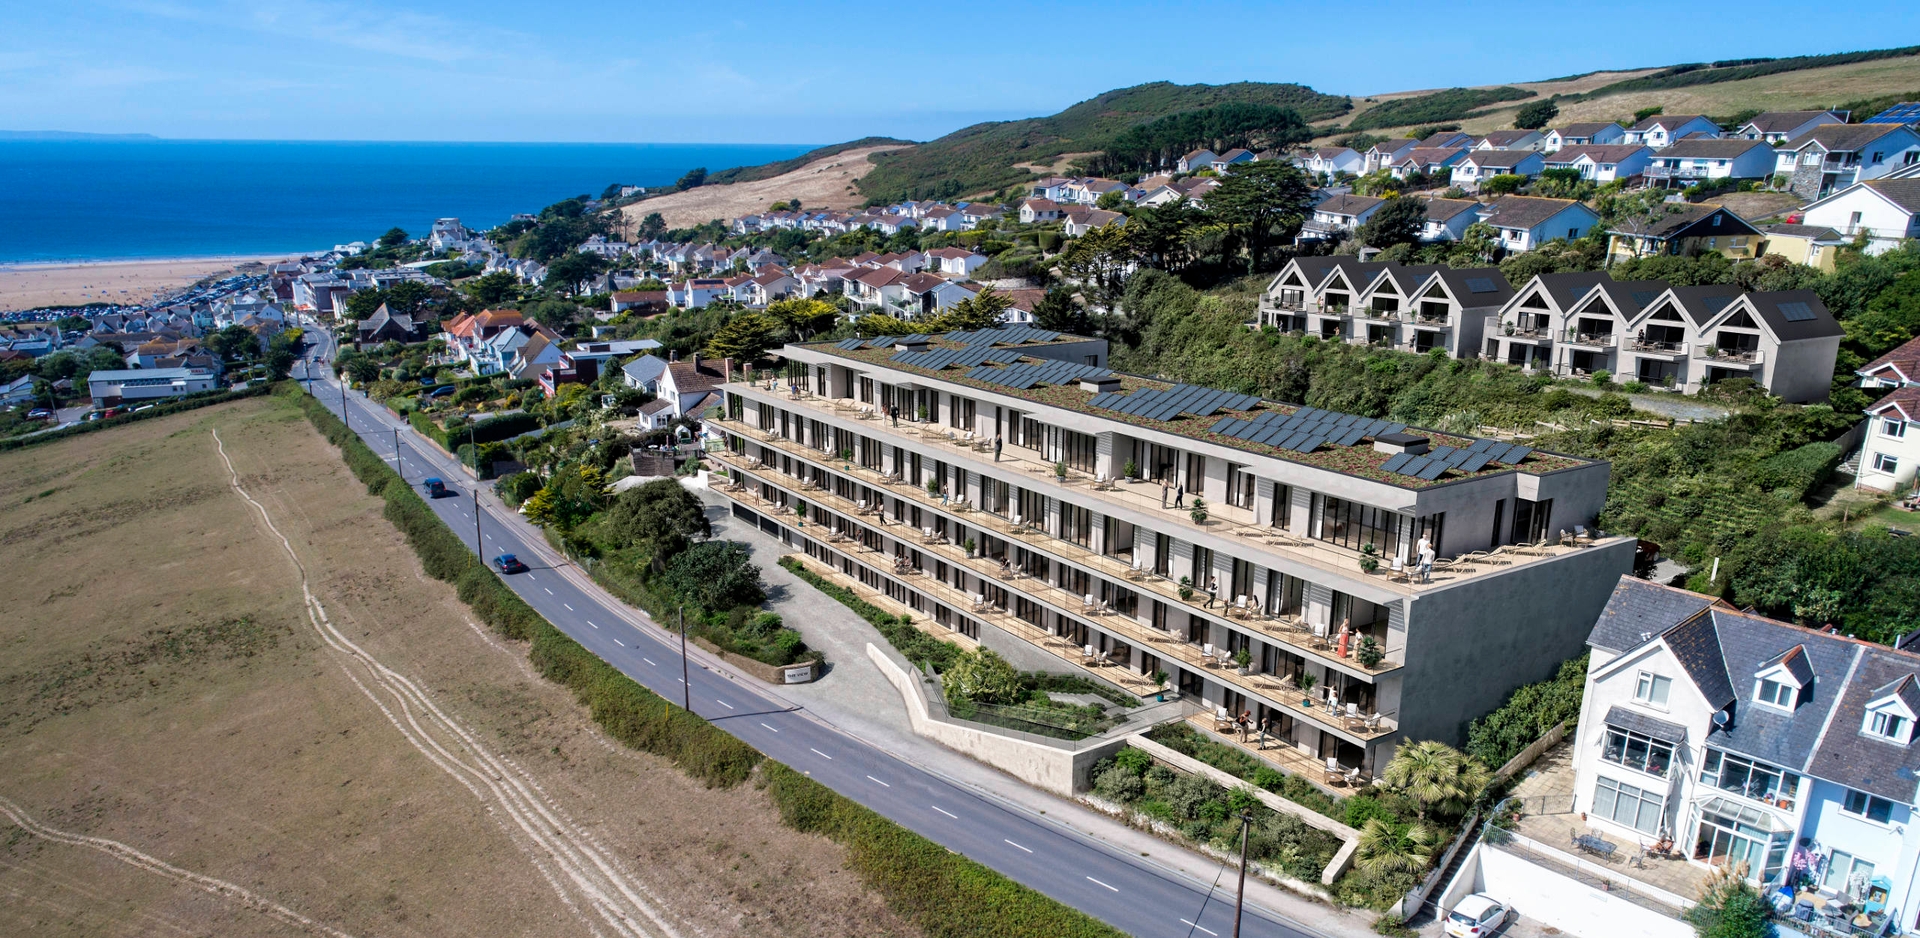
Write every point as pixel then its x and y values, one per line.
pixel 1132 895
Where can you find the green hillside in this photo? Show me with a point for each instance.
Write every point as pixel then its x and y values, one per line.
pixel 983 157
pixel 770 170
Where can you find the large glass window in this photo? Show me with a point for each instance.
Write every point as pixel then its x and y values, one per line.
pixel 1637 752
pixel 1873 808
pixel 1628 805
pixel 1842 868
pixel 1530 520
pixel 1732 833
pixel 1351 524
pixel 1240 485
pixel 1282 507
pixel 1749 779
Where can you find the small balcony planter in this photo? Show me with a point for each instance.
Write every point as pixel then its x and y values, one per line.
pixel 1160 686
pixel 1305 682
pixel 1243 662
pixel 1369 654
pixel 1132 471
pixel 970 546
pixel 1199 511
pixel 1186 589
pixel 1369 558
pixel 1060 471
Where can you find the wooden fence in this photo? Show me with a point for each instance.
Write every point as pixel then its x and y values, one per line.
pixel 1532 752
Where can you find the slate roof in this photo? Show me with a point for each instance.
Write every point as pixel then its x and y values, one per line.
pixel 1431 156
pixel 1902 192
pixel 1779 122
pixel 1442 210
pixel 1696 643
pixel 1506 138
pixel 1769 304
pixel 1859 761
pixel 1843 137
pixel 1795 661
pixel 1630 297
pixel 1597 152
pixel 1673 224
pixel 1407 278
pixel 1520 211
pixel 1349 204
pixel 1816 232
pixel 1445 138
pixel 1565 288
pixel 1461 282
pixel 1586 129
pixel 1712 148
pixel 1638 611
pixel 1628 719
pixel 1702 303
pixel 1667 121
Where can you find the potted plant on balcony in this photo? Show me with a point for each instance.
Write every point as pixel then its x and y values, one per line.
pixel 933 488
pixel 1199 511
pixel 971 547
pixel 1507 327
pixel 923 413
pixel 1243 662
pixel 1186 589
pixel 1160 685
pixel 1369 653
pixel 1369 558
pixel 1060 471
pixel 1305 682
pixel 1132 471
pixel 846 457
pixel 1713 351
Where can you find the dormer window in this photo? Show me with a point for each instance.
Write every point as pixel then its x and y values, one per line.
pixel 1889 714
pixel 1778 694
pixel 1780 682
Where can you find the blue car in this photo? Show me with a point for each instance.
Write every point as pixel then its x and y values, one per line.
pixel 509 564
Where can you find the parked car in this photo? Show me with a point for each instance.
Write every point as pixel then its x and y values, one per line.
pixel 40 413
pixel 1477 916
pixel 509 564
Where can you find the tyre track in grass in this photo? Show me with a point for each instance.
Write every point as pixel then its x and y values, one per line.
pixel 570 858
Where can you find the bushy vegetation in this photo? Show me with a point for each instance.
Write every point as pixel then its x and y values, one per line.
pixel 981 686
pixel 1528 713
pixel 980 158
pixel 1703 73
pixel 1451 104
pixel 1160 143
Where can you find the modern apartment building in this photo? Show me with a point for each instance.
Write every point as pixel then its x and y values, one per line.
pixel 1416 308
pixel 980 480
pixel 1735 738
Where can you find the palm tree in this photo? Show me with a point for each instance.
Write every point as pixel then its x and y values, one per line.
pixel 1435 775
pixel 1382 850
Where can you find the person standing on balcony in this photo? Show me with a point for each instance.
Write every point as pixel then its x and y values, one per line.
pixel 1163 493
pixel 1213 590
pixel 893 413
pixel 1180 495
pixel 1425 554
pixel 996 447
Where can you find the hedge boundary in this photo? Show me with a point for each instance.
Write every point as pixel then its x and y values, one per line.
pixel 190 402
pixel 945 894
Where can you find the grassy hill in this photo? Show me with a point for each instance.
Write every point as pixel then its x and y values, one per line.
pixel 986 157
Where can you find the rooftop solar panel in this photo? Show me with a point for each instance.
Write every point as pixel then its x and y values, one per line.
pixel 1796 312
pixel 849 344
pixel 1475 462
pixel 1398 460
pixel 1513 455
pixel 1223 425
pixel 1643 297
pixel 1439 452
pixel 1481 285
pixel 1413 464
pixel 1267 434
pixel 1906 112
pixel 1459 456
pixel 1432 470
pixel 1313 443
pixel 1352 436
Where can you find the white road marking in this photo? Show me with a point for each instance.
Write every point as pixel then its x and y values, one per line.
pixel 724 703
pixel 878 782
pixel 549 592
pixel 590 622
pixel 946 812
pixel 569 608
pixel 769 727
pixel 1017 845
pixel 648 660
pixel 1203 928
pixel 620 643
pixel 821 754
pixel 1099 883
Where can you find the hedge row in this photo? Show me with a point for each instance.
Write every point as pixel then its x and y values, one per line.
pixel 945 894
pixel 189 402
pixel 918 647
pixel 630 712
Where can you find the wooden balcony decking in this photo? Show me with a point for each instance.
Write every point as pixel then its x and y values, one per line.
pixel 1278 753
pixel 1276 692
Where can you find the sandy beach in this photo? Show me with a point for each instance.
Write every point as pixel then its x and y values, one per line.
pixel 28 286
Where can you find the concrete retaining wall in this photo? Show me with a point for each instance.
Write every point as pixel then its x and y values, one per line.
pixel 760 670
pixel 1556 900
pixel 1058 769
pixel 1312 818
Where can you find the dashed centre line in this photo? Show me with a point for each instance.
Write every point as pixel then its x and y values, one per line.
pixel 878 782
pixel 821 754
pixel 620 643
pixel 1028 849
pixel 946 812
pixel 648 660
pixel 723 703
pixel 1099 883
pixel 769 727
pixel 569 608
pixel 549 591
pixel 590 622
pixel 1203 928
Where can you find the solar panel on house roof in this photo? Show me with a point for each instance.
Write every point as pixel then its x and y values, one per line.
pixel 1399 459
pixel 1459 456
pixel 1432 471
pixel 1643 297
pixel 1475 462
pixel 848 345
pixel 1352 436
pixel 1223 425
pixel 1906 112
pixel 1312 443
pixel 1481 285
pixel 1413 464
pixel 1513 454
pixel 1796 312
pixel 1267 435
pixel 880 341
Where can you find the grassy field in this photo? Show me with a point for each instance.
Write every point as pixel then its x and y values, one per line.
pixel 185 749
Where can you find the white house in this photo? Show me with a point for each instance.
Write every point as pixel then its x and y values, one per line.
pixel 1224 161
pixel 1831 157
pixel 1597 133
pixel 1661 130
pixel 1036 210
pixel 1890 447
pixel 1777 127
pixel 1510 140
pixel 1523 223
pixel 1428 161
pixel 957 260
pixel 644 372
pixel 1198 159
pixel 1448 219
pixel 1079 221
pixel 1886 210
pixel 1386 153
pixel 1698 160
pixel 1331 160
pixel 692 386
pixel 1339 214
pixel 1482 165
pixel 1603 163
pixel 1739 739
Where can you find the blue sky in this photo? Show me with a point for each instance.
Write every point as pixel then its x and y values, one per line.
pixel 740 72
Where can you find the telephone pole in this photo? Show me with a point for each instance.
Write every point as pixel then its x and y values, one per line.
pixel 686 689
pixel 396 455
pixel 478 550
pixel 1240 895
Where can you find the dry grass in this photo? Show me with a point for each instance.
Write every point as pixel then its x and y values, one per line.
pixel 824 183
pixel 161 686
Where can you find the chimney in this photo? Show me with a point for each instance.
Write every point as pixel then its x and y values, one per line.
pixel 673 356
pixel 1101 385
pixel 696 361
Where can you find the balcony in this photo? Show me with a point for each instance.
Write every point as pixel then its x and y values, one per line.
pixel 1378 315
pixel 1591 339
pixel 1079 488
pixel 1678 172
pixel 1737 357
pixel 1165 645
pixel 1534 334
pixel 1671 351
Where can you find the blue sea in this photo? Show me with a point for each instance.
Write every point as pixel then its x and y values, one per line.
pixel 93 200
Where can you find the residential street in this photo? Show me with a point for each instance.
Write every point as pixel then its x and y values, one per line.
pixel 1038 840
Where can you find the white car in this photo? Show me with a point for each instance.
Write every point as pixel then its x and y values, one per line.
pixel 1477 916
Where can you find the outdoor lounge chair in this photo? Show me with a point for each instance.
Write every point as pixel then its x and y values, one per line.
pixel 1335 775
pixel 1207 656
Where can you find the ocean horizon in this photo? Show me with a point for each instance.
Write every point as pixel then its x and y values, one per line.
pixel 150 199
